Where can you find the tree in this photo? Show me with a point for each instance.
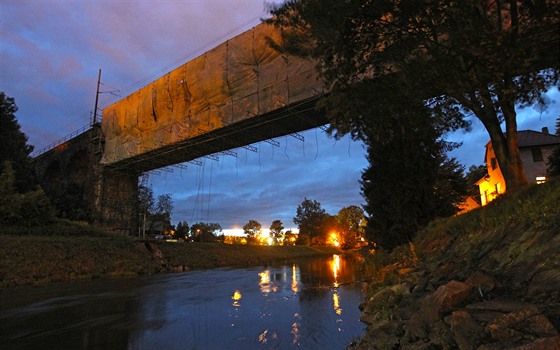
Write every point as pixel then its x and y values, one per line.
pixel 289 238
pixel 14 147
pixel 450 189
pixel 146 202
pixel 309 217
pixel 478 57
pixel 22 209
pixel 252 229
pixel 329 226
pixel 475 173
pixel 554 158
pixel 205 232
pixel 152 210
pixel 164 207
pixel 182 231
pixel 351 222
pixel 276 230
pixel 409 180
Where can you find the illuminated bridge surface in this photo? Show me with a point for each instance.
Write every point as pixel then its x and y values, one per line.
pixel 241 92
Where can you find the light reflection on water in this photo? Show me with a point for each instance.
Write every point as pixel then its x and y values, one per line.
pixel 309 305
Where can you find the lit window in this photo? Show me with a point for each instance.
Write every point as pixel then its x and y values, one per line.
pixel 541 179
pixel 537 154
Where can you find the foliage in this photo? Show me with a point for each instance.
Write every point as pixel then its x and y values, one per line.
pixel 182 230
pixel 146 199
pixel 252 229
pixel 68 201
pixel 450 189
pixel 22 209
pixel 309 218
pixel 409 180
pixel 475 173
pixel 14 147
pixel 554 158
pixel 289 238
pixel 351 223
pixel 164 206
pixel 329 225
pixel 205 232
pixel 276 230
pixel 153 211
pixel 478 57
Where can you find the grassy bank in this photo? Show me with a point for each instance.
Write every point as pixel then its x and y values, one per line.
pixel 489 279
pixel 37 260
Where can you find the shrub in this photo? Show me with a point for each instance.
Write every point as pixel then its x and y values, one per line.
pixel 27 209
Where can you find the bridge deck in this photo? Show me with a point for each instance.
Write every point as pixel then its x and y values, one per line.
pixel 284 121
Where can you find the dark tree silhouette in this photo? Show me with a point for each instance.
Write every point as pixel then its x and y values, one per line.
pixel 14 147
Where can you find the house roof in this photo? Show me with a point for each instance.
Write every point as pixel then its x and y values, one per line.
pixel 531 138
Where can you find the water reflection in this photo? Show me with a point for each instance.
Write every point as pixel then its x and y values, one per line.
pixel 308 305
pixel 236 297
pixel 295 277
pixel 335 267
pixel 336 304
pixel 295 331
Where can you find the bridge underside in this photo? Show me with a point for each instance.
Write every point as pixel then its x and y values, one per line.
pixel 284 121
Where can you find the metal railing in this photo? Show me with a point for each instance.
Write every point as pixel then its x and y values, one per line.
pixel 76 133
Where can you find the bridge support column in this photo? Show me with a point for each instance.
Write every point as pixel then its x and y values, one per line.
pixel 115 201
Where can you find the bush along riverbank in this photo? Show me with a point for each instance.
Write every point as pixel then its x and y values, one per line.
pixel 39 260
pixel 489 279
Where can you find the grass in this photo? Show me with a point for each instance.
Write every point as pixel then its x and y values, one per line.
pixel 515 239
pixel 513 235
pixel 70 251
pixel 209 255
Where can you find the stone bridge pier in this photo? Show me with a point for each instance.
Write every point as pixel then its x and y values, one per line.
pixel 83 189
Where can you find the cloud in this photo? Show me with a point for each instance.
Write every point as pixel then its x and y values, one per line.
pixel 270 184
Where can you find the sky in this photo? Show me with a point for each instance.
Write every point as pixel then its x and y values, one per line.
pixel 50 54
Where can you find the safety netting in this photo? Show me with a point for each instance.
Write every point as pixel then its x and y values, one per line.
pixel 242 78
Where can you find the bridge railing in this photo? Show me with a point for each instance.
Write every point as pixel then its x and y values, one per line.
pixel 61 141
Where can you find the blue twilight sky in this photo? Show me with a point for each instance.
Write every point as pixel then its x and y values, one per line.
pixel 50 53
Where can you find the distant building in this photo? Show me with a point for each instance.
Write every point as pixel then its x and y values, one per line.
pixel 534 147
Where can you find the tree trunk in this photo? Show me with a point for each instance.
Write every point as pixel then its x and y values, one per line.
pixel 507 150
pixel 509 159
pixel 511 164
pixel 482 104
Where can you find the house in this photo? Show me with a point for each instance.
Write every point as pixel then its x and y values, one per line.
pixel 534 148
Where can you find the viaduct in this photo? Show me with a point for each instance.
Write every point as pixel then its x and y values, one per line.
pixel 241 92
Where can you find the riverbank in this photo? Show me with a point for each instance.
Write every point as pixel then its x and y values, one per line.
pixel 488 279
pixel 39 260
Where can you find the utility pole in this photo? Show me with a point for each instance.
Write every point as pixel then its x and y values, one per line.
pixel 96 98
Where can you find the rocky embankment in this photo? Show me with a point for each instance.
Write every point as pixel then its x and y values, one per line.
pixel 487 280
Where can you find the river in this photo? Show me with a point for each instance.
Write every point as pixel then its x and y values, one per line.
pixel 311 304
